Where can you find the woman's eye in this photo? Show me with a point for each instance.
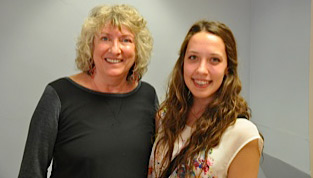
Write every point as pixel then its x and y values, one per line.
pixel 215 60
pixel 127 40
pixel 104 38
pixel 192 57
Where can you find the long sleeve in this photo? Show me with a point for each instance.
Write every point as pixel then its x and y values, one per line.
pixel 41 137
pixel 156 101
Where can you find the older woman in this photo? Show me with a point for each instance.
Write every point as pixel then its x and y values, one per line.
pixel 100 122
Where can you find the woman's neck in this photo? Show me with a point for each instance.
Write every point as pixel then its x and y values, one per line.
pixel 196 110
pixel 105 85
pixel 110 84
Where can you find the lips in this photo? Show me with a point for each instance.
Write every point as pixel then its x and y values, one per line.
pixel 202 83
pixel 113 61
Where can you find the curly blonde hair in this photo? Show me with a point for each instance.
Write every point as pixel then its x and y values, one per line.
pixel 222 112
pixel 118 16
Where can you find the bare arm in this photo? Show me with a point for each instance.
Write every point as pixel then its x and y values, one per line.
pixel 246 162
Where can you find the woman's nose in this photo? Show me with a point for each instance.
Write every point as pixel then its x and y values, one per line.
pixel 115 47
pixel 202 67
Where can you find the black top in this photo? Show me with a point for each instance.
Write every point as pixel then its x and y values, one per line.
pixel 90 134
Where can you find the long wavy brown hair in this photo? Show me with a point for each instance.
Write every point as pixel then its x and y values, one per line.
pixel 222 112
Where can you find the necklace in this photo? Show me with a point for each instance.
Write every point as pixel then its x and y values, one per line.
pixel 197 114
pixel 193 116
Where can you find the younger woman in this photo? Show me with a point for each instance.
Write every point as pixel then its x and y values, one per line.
pixel 204 128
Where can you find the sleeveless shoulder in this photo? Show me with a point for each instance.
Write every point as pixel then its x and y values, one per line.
pixel 239 135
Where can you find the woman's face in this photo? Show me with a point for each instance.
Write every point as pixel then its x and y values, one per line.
pixel 114 52
pixel 205 64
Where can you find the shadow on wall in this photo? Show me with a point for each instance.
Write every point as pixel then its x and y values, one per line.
pixel 276 168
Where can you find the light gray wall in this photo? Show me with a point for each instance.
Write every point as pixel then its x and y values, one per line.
pixel 279 81
pixel 38 46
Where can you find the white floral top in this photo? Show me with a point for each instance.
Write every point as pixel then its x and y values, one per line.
pixel 219 158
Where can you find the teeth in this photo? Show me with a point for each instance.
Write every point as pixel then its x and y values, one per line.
pixel 201 82
pixel 113 60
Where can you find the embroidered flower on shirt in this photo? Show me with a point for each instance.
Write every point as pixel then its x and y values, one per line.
pixel 181 172
pixel 201 166
pixel 204 165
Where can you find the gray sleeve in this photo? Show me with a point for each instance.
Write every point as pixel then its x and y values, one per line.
pixel 156 102
pixel 41 136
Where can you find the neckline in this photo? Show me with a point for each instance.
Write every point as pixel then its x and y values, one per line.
pixel 188 126
pixel 103 93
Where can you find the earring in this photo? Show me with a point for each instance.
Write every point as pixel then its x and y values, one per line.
pixel 92 69
pixel 134 76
